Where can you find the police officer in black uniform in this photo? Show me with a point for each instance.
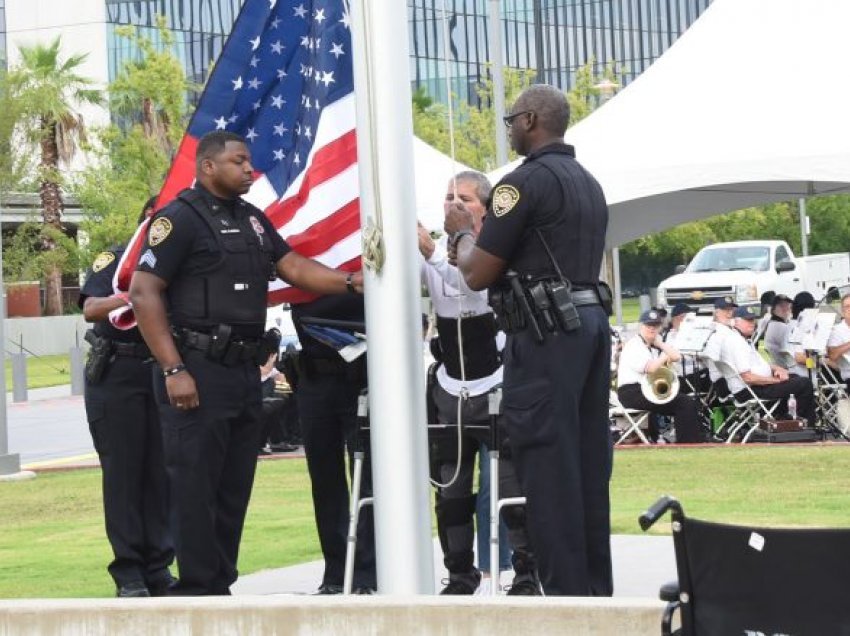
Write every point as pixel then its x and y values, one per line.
pixel 124 425
pixel 327 394
pixel 200 300
pixel 540 252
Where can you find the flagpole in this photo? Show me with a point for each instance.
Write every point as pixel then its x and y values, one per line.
pixel 393 307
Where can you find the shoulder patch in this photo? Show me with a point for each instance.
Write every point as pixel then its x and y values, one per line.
pixel 102 261
pixel 505 197
pixel 159 231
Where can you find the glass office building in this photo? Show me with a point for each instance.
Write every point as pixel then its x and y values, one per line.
pixel 200 28
pixel 554 38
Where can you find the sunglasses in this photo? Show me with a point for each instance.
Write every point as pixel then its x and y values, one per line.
pixel 509 119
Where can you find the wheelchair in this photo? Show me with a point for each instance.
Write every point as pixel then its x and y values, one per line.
pixel 756 581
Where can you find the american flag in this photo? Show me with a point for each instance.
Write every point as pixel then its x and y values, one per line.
pixel 284 82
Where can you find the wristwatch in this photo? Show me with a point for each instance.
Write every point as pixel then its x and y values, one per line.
pixel 177 368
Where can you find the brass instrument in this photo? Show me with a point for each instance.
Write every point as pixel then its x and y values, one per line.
pixel 661 386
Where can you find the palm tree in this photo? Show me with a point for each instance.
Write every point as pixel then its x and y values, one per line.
pixel 50 90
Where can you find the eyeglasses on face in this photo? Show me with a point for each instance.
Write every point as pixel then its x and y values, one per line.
pixel 509 119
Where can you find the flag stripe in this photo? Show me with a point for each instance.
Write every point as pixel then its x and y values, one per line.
pixel 321 236
pixel 332 159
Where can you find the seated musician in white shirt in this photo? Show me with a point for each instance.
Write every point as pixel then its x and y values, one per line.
pixel 838 347
pixel 691 375
pixel 643 354
pixel 724 310
pixel 767 382
pixel 781 352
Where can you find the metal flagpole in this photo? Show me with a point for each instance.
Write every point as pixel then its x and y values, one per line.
pixel 498 81
pixel 9 464
pixel 393 312
pixel 804 227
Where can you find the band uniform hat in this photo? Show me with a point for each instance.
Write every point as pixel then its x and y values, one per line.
pixel 679 309
pixel 746 313
pixel 725 302
pixel 651 317
pixel 780 298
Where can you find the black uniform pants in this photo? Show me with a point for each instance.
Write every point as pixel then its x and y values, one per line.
pixel 683 408
pixel 211 455
pixel 327 407
pixel 801 388
pixel 124 425
pixel 556 413
pixel 455 503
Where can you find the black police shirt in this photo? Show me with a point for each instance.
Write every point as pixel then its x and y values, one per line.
pixel 99 285
pixel 179 240
pixel 552 192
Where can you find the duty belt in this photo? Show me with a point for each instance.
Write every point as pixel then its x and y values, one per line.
pixel 584 297
pixel 237 349
pixel 131 349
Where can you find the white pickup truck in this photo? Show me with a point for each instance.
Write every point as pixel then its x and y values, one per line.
pixel 745 270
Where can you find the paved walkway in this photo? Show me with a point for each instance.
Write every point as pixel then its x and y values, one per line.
pixel 642 564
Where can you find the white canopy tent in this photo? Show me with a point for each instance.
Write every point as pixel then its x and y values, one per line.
pixel 433 170
pixel 749 106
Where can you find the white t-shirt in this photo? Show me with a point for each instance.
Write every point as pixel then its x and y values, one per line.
pixel 739 354
pixel 713 347
pixel 841 335
pixel 635 356
pixel 452 298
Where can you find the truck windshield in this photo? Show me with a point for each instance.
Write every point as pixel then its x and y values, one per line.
pixel 725 259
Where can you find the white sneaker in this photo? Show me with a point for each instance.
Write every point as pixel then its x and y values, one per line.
pixel 483 587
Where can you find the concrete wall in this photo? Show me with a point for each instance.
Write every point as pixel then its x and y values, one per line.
pixel 44 336
pixel 314 616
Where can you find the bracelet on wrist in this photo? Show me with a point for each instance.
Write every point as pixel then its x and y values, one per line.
pixel 177 368
pixel 349 283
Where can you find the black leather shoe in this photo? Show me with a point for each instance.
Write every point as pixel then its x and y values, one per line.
pixel 462 584
pixel 525 585
pixel 161 586
pixel 364 590
pixel 133 589
pixel 329 588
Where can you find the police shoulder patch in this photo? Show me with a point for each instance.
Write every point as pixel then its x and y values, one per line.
pixel 505 198
pixel 102 261
pixel 159 231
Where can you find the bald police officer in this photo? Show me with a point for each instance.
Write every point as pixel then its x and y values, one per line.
pixel 200 299
pixel 540 253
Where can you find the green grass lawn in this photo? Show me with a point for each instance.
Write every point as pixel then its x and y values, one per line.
pixel 52 542
pixel 43 371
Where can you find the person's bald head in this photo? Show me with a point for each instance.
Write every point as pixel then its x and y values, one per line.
pixel 549 104
pixel 542 114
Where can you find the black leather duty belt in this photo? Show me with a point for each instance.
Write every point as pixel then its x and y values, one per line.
pixel 585 297
pixel 131 349
pixel 238 349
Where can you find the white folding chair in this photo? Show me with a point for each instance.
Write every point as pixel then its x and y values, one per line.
pixel 634 418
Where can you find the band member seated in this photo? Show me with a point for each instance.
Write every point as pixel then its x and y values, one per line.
pixel 690 373
pixel 768 382
pixel 776 338
pixel 645 354
pixel 724 311
pixel 838 346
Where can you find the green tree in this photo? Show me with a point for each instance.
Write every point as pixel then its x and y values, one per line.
pixel 50 90
pixel 149 95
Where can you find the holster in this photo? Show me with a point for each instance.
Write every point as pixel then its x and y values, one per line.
pixel 100 355
pixel 508 311
pixel 290 365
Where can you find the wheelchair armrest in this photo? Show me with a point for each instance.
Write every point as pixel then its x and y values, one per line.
pixel 669 592
pixel 656 510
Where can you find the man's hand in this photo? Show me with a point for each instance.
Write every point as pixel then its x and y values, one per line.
pixel 457 218
pixel 357 281
pixel 780 374
pixel 426 243
pixel 182 392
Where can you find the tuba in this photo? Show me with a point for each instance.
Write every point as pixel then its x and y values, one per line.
pixel 661 386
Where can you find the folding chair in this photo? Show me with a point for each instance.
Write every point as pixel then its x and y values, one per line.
pixel 830 390
pixel 634 418
pixel 749 580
